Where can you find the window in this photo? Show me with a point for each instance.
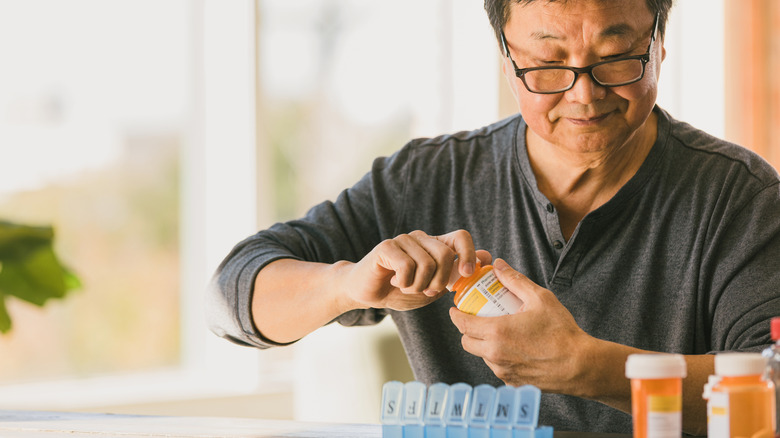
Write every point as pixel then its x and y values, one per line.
pixel 114 127
pixel 341 82
pixel 691 84
pixel 92 113
pixel 344 81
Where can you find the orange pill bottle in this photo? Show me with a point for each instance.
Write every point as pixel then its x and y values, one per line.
pixel 482 294
pixel 656 394
pixel 742 402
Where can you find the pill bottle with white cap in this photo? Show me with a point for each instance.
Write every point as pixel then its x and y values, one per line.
pixel 742 402
pixel 656 394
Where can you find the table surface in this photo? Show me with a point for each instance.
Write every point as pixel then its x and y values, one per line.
pixel 37 424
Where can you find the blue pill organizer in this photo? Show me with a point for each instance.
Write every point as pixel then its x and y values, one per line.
pixel 412 410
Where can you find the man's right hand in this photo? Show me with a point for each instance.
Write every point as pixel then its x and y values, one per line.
pixel 410 270
pixel 292 298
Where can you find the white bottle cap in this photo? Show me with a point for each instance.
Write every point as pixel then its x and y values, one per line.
pixel 655 366
pixel 739 364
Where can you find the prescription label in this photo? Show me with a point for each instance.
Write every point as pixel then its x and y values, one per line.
pixel 664 416
pixel 488 297
pixel 718 424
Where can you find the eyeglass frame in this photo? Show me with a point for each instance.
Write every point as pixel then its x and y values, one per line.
pixel 645 58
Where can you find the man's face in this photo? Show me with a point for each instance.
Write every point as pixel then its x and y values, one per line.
pixel 588 118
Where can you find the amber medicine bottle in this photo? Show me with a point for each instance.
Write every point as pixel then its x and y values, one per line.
pixel 656 394
pixel 742 402
pixel 482 294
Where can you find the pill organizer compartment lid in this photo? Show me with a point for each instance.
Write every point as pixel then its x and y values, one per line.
pixel 435 405
pixel 458 404
pixel 481 405
pixel 392 402
pixel 527 403
pixel 504 411
pixel 414 403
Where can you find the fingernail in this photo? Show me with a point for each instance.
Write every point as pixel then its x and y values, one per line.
pixel 468 269
pixel 500 264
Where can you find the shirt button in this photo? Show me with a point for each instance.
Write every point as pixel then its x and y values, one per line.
pixel 557 244
pixel 550 208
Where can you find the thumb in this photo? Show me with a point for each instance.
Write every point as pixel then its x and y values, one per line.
pixel 520 285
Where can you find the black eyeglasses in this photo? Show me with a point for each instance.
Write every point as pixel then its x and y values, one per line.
pixel 611 73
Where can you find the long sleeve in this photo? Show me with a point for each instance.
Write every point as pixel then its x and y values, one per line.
pixel 346 229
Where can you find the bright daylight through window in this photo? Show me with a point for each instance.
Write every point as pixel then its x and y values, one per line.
pixel 92 101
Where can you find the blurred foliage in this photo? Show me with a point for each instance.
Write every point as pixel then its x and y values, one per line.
pixel 29 268
pixel 117 227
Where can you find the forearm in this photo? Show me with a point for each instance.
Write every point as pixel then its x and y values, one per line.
pixel 293 298
pixel 700 367
pixel 604 381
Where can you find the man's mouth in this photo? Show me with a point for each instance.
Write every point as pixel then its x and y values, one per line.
pixel 588 121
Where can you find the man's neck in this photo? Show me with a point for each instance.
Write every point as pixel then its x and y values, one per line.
pixel 578 182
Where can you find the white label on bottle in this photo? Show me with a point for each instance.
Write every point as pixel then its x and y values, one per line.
pixel 718 416
pixel 503 301
pixel 664 416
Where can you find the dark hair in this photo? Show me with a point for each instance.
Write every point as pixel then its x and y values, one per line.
pixel 498 12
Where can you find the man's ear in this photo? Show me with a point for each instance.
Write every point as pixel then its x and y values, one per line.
pixel 663 51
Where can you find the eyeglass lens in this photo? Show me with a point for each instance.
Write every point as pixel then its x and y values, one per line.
pixel 618 72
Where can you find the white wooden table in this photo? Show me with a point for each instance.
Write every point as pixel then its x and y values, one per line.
pixel 39 424
pixel 34 424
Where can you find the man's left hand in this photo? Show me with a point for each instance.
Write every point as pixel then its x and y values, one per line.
pixel 540 345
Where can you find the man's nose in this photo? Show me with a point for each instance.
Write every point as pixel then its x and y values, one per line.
pixel 585 90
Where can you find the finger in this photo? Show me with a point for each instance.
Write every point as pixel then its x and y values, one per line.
pixel 392 260
pixel 474 346
pixel 461 242
pixel 517 283
pixel 433 261
pixel 442 255
pixel 484 257
pixel 471 325
pixel 409 264
pixel 490 351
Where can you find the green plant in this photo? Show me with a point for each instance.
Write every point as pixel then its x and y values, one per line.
pixel 29 268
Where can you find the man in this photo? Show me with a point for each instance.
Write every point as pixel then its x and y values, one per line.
pixel 620 228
